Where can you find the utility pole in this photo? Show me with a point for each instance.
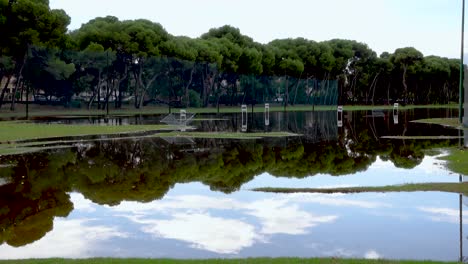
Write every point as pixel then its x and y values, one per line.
pixel 108 82
pixel 460 115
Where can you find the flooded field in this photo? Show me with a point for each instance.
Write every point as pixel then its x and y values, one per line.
pixel 172 197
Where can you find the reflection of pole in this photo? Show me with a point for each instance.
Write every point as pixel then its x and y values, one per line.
pixel 466 138
pixel 461 229
pixel 461 223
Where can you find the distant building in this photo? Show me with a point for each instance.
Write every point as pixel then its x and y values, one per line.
pixel 11 88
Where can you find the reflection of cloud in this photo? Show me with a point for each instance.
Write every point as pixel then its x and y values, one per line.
pixel 69 239
pixel 372 254
pixel 190 221
pixel 339 252
pixel 183 202
pixel 4 181
pixel 443 214
pixel 216 234
pixel 279 218
pixel 82 204
pixel 335 200
pixel 335 186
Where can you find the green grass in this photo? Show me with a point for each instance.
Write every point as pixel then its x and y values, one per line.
pixel 41 111
pixel 420 187
pixel 457 161
pixel 215 261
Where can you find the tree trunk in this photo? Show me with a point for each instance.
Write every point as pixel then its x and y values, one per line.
pixel 91 100
pixel 13 96
pixel 188 85
pixel 286 99
pixel 405 86
pixel 145 88
pixel 19 79
pixel 5 87
pixel 373 86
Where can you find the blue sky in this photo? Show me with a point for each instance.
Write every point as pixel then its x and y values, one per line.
pixel 431 26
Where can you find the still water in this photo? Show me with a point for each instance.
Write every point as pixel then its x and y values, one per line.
pixel 193 198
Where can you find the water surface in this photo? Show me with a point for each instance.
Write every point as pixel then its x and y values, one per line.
pixel 192 198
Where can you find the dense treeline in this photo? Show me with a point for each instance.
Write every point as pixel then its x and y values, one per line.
pixel 108 60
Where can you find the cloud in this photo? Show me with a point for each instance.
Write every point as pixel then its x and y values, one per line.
pixel 69 239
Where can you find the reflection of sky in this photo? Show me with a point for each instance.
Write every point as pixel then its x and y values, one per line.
pixel 193 222
pixel 380 173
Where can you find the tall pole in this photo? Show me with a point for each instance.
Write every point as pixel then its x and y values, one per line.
pixel 460 114
pixel 107 85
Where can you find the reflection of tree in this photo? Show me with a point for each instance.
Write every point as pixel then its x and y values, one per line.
pixel 30 202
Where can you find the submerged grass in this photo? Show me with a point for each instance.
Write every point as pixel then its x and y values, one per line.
pixel 15 131
pixel 213 261
pixel 18 131
pixel 419 187
pixel 22 137
pixel 448 122
pixel 421 137
pixel 42 111
pixel 226 135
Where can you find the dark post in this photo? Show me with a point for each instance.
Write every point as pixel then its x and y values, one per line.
pixel 107 86
pixel 460 115
pixel 27 101
pixel 27 89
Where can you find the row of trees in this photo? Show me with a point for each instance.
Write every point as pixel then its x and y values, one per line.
pixel 110 60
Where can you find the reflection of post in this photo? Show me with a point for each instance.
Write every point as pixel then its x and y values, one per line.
pixel 183 119
pixel 465 104
pixel 244 118
pixel 339 115
pixel 395 113
pixel 267 114
pixel 466 138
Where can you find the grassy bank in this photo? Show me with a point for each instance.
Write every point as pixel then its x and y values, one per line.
pixel 422 187
pixel 42 111
pixel 215 261
pixel 457 161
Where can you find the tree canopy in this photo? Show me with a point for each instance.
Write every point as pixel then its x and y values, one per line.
pixel 108 59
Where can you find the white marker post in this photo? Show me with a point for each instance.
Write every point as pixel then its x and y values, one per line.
pixel 183 119
pixel 244 118
pixel 395 113
pixel 267 114
pixel 339 116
